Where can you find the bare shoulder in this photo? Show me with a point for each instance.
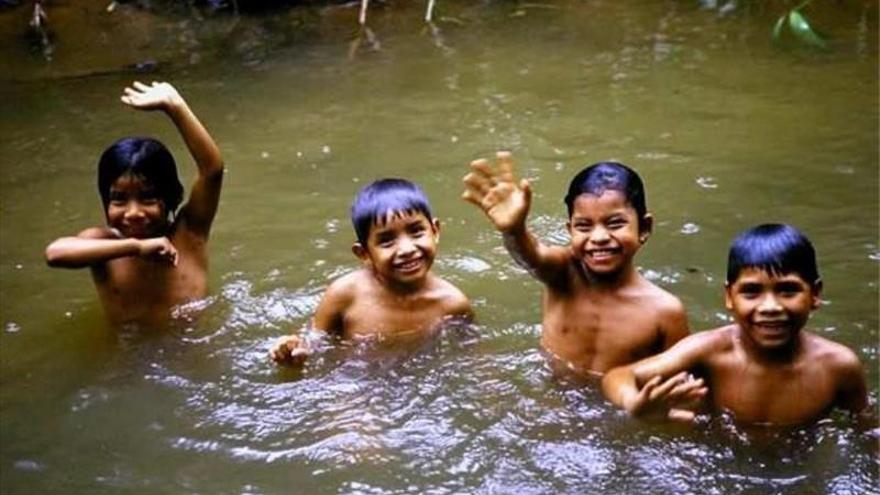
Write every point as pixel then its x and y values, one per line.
pixel 664 301
pixel 345 287
pixel 452 297
pixel 836 356
pixel 710 342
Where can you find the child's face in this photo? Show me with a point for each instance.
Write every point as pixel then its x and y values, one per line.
pixel 770 308
pixel 605 231
pixel 402 249
pixel 135 208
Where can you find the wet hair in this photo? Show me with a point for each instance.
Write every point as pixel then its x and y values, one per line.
pixel 376 201
pixel 146 159
pixel 774 248
pixel 604 176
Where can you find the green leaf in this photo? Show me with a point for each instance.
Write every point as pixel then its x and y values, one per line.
pixel 777 30
pixel 802 29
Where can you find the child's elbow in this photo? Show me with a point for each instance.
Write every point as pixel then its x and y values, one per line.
pixel 54 256
pixel 57 256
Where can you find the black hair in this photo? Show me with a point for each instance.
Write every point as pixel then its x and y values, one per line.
pixel 603 176
pixel 145 158
pixel 775 248
pixel 384 197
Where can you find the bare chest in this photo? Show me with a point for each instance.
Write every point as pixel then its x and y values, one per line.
pixel 599 333
pixel 378 316
pixel 136 289
pixel 756 394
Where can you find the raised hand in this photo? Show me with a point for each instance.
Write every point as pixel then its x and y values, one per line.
pixel 497 192
pixel 156 96
pixel 158 248
pixel 290 350
pixel 668 399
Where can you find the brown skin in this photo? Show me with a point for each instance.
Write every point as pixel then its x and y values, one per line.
pixel 143 266
pixel 394 295
pixel 599 312
pixel 764 369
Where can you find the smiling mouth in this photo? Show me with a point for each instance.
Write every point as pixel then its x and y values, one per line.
pixel 409 266
pixel 772 327
pixel 602 254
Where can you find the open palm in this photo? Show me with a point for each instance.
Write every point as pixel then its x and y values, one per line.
pixel 497 192
pixel 156 96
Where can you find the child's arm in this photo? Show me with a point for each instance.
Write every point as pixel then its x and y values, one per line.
pixel 506 202
pixel 293 349
pixel 199 210
pixel 657 385
pixel 852 393
pixel 100 244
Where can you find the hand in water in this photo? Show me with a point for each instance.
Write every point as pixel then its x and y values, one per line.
pixel 289 350
pixel 671 399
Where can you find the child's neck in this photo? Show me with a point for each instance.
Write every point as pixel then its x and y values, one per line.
pixel 610 281
pixel 784 355
pixel 402 289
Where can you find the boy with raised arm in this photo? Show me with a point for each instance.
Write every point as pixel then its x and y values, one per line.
pixel 599 312
pixel 394 293
pixel 149 257
pixel 763 368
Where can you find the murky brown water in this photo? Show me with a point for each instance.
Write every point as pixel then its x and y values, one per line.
pixel 727 130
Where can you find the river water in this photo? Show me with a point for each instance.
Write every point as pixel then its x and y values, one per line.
pixel 727 129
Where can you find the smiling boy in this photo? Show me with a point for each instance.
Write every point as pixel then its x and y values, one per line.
pixel 763 368
pixel 599 311
pixel 395 293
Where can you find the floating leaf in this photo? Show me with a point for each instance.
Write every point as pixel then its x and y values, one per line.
pixel 802 29
pixel 777 30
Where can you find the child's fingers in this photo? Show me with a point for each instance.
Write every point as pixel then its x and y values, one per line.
pixel 648 388
pixel 505 164
pixel 476 184
pixel 526 189
pixel 681 415
pixel 141 86
pixel 684 388
pixel 470 198
pixel 668 385
pixel 482 168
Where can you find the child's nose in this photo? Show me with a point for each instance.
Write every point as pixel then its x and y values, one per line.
pixel 133 209
pixel 406 245
pixel 599 235
pixel 769 304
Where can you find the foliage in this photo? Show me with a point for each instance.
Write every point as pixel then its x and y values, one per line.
pixel 795 22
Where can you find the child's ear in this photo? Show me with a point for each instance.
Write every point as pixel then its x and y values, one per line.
pixel 816 290
pixel 728 298
pixel 646 227
pixel 435 226
pixel 360 252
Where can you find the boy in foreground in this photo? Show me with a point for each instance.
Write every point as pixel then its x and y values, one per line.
pixel 599 312
pixel 764 368
pixel 394 294
pixel 150 257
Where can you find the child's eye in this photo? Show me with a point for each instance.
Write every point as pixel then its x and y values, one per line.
pixel 582 227
pixel 788 289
